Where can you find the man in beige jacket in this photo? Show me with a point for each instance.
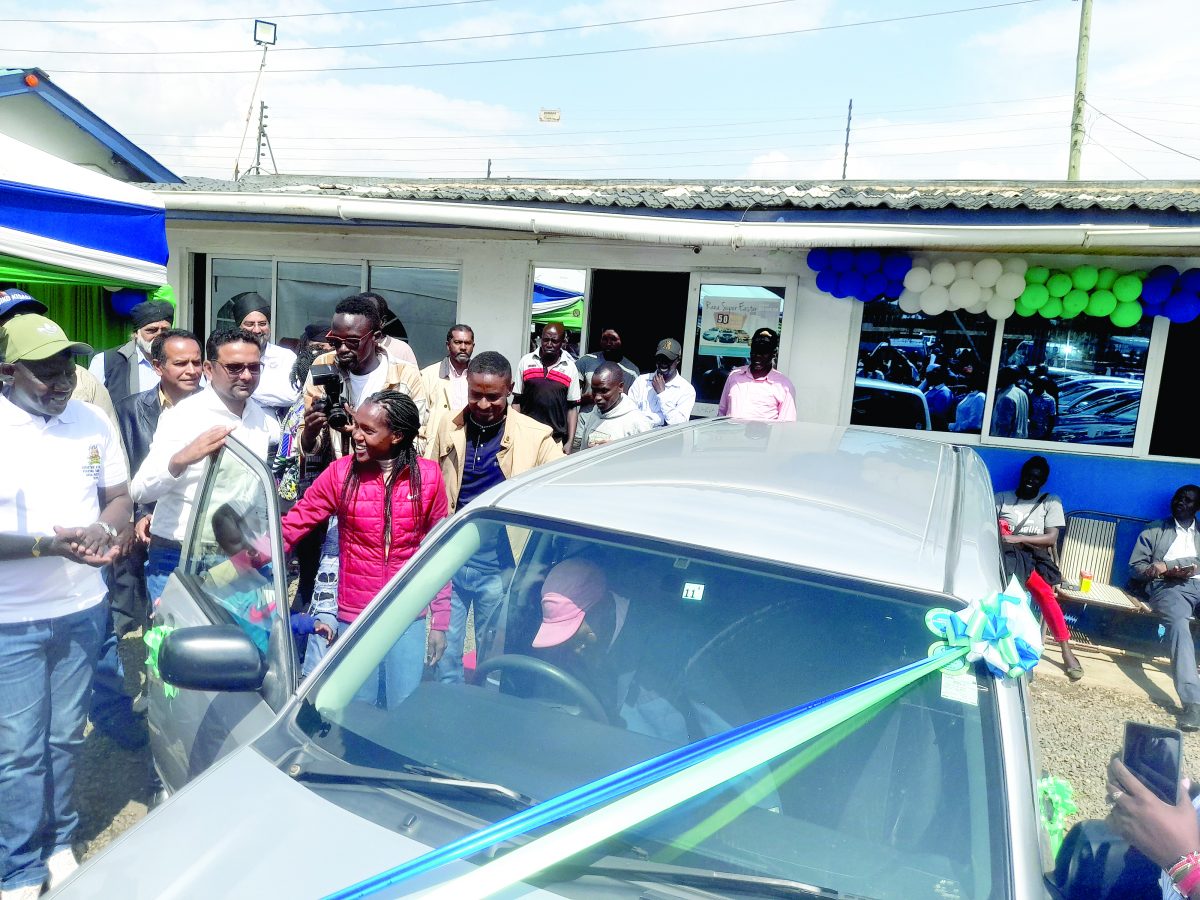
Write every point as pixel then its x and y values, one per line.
pixel 485 444
pixel 446 380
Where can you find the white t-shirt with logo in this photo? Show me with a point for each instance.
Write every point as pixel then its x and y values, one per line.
pixel 53 470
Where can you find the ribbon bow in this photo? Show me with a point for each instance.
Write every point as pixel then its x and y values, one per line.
pixel 153 640
pixel 1058 802
pixel 999 629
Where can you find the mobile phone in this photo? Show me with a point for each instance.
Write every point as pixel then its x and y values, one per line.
pixel 1155 756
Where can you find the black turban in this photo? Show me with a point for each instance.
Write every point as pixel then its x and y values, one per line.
pixel 251 301
pixel 152 311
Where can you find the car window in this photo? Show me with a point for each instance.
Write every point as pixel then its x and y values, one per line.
pixel 886 407
pixel 602 651
pixel 230 550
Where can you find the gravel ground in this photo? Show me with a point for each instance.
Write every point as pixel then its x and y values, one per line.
pixel 1078 726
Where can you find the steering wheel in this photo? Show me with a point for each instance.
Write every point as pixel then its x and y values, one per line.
pixel 588 702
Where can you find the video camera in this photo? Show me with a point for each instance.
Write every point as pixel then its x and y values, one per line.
pixel 329 378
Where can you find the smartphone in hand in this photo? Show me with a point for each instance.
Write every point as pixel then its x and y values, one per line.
pixel 1155 756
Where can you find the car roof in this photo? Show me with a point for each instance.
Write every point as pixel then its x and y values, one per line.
pixel 859 502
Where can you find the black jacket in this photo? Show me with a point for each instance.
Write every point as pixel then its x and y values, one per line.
pixel 137 417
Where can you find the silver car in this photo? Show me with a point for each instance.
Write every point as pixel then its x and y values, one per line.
pixel 725 570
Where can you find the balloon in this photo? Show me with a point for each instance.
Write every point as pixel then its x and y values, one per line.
pixel 818 259
pixel 1105 278
pixel 827 281
pixel 1074 303
pixel 1101 303
pixel 1034 296
pixel 987 271
pixel 1155 290
pixel 164 293
pixel 1001 307
pixel 986 294
pixel 923 262
pixel 1037 275
pixel 977 309
pixel 1189 281
pixel 1126 315
pixel 1016 265
pixel 1023 309
pixel 1058 284
pixel 935 299
pixel 896 265
pixel 1182 308
pixel 868 261
pixel 1051 309
pixel 893 290
pixel 964 292
pixel 943 272
pixel 910 302
pixel 964 268
pixel 873 287
pixel 850 284
pixel 1085 277
pixel 1010 285
pixel 841 260
pixel 917 279
pixel 1127 288
pixel 124 300
pixel 1170 273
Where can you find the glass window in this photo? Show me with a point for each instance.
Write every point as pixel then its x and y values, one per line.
pixel 1074 381
pixel 308 292
pixel 230 552
pixel 424 300
pixel 727 316
pixel 231 277
pixel 921 372
pixel 602 650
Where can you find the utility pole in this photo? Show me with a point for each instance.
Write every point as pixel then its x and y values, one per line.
pixel 846 151
pixel 1080 101
pixel 256 169
pixel 489 169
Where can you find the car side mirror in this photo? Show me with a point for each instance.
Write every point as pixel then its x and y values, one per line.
pixel 211 658
pixel 1095 863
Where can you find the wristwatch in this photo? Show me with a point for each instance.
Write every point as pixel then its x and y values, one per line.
pixel 109 530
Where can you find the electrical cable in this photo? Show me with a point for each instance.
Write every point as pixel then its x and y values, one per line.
pixel 308 15
pixel 1144 137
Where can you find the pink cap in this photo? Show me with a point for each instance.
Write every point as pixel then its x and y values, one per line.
pixel 571 588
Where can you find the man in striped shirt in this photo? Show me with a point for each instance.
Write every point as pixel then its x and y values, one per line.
pixel 546 386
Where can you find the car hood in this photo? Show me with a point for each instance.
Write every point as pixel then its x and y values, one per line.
pixel 244 829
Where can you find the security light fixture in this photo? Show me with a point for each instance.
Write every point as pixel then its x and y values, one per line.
pixel 264 33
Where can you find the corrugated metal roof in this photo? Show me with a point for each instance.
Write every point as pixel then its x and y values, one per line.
pixel 738 195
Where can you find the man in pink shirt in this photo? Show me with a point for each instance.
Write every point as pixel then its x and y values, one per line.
pixel 758 391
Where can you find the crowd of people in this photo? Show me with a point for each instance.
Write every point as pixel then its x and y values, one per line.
pixel 104 465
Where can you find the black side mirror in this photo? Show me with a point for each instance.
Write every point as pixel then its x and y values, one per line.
pixel 212 658
pixel 1095 863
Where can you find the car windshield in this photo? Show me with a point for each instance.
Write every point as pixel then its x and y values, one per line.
pixel 602 650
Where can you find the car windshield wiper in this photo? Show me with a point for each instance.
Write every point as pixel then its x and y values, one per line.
pixel 740 882
pixel 410 777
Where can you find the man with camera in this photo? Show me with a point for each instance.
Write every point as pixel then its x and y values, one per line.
pixel 340 380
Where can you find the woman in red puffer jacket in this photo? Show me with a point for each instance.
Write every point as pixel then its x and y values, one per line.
pixel 386 498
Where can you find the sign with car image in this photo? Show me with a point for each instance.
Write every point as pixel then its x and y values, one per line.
pixel 726 323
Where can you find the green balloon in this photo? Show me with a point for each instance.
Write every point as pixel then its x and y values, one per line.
pixel 1085 277
pixel 1127 288
pixel 1036 275
pixel 1142 274
pixel 1058 284
pixel 1052 308
pixel 1102 303
pixel 1034 296
pixel 1023 310
pixel 1105 278
pixel 1074 303
pixel 1126 315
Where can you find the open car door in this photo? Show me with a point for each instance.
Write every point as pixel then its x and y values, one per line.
pixel 231 572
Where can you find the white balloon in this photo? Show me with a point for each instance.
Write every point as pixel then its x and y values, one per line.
pixel 963 293
pixel 917 279
pixel 922 262
pixel 987 271
pixel 910 301
pixel 964 268
pixel 943 272
pixel 935 299
pixel 1010 286
pixel 1016 265
pixel 978 309
pixel 1001 307
pixel 986 294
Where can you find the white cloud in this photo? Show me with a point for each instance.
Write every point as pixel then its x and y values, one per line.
pixel 688 27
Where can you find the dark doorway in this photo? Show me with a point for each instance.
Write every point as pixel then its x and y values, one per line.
pixel 1175 434
pixel 644 307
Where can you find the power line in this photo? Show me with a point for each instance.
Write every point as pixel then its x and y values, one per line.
pixel 1130 166
pixel 413 43
pixel 309 15
pixel 568 55
pixel 1144 137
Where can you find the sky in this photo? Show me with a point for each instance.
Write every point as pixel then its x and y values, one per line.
pixel 941 89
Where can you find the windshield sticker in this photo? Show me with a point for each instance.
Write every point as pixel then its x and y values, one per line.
pixel 960 687
pixel 693 591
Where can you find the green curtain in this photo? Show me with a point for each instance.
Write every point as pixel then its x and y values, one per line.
pixel 83 312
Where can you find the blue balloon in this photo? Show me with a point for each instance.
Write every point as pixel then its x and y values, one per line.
pixel 874 286
pixel 867 261
pixel 1182 308
pixel 841 260
pixel 818 259
pixel 896 266
pixel 1157 290
pixel 124 300
pixel 893 290
pixel 850 284
pixel 1168 272
pixel 1190 281
pixel 827 281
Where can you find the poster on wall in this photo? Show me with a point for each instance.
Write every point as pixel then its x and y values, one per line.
pixel 726 323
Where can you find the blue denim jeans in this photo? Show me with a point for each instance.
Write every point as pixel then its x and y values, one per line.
pixel 473 585
pixel 46 669
pixel 400 672
pixel 160 563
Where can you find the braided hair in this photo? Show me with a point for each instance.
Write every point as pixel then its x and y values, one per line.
pixel 402 419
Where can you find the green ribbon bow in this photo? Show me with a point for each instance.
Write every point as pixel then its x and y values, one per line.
pixel 154 640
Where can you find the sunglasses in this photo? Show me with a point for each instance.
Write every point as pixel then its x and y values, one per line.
pixel 336 342
pixel 235 370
